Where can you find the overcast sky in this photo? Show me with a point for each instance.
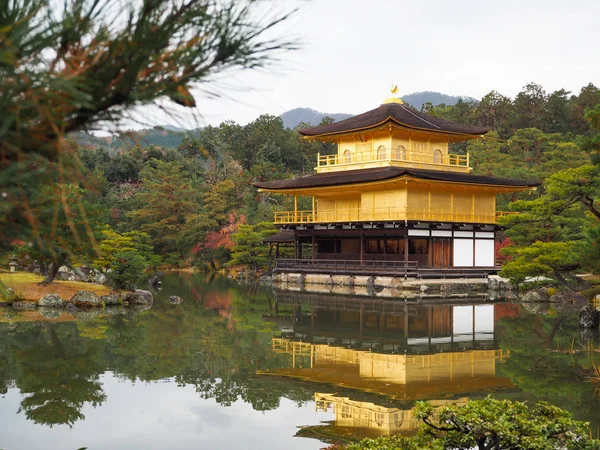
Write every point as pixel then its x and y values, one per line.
pixel 355 49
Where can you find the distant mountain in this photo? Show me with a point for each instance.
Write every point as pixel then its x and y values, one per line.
pixel 418 99
pixel 293 117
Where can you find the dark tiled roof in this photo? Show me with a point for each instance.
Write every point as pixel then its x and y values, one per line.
pixel 281 237
pixel 398 113
pixel 387 173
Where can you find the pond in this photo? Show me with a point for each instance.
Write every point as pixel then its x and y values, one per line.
pixel 244 366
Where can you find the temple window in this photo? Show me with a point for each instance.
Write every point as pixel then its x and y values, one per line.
pixel 437 156
pixel 400 152
pixel 347 156
pixel 381 152
pixel 419 146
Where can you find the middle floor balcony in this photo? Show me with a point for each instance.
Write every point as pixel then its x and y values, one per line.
pixel 386 214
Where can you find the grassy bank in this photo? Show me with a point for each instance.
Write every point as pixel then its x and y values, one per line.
pixel 27 286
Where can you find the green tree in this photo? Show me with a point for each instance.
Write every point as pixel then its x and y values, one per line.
pixel 127 270
pixel 249 249
pixel 72 66
pixel 530 106
pixel 548 259
pixel 559 112
pixel 491 424
pixel 125 257
pixel 60 234
pixel 167 202
pixel 496 112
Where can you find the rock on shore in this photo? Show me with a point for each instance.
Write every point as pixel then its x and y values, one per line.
pixel 85 298
pixel 589 318
pixel 139 297
pixel 175 299
pixel 51 301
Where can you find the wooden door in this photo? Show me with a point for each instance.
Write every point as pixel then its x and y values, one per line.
pixel 442 252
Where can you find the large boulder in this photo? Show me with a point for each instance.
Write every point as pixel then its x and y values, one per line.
pixel 146 294
pixel 83 272
pixel 568 301
pixel 65 276
pixel 139 297
pixel 98 277
pixel 51 301
pixel 589 317
pixel 536 295
pixel 24 306
pixel 175 299
pixel 497 283
pixel 154 282
pixel 85 298
pixel 110 300
pixel 266 280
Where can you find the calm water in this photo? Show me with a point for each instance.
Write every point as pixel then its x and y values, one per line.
pixel 246 367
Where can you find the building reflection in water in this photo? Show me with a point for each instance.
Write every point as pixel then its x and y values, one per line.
pixel 372 419
pixel 394 352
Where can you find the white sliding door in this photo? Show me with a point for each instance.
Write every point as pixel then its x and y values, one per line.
pixel 484 253
pixel 463 252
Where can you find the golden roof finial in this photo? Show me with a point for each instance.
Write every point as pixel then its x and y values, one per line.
pixel 393 90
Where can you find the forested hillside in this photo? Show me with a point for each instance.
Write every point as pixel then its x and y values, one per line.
pixel 191 204
pixel 418 99
pixel 171 137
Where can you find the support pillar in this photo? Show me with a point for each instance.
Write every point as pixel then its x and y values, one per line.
pixel 362 246
pixel 314 245
pixel 295 208
pixel 406 255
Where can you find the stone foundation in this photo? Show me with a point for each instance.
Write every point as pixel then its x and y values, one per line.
pixel 393 287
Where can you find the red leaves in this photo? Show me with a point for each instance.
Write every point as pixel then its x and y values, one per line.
pixel 221 238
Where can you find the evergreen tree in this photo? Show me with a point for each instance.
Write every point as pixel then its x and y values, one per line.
pixel 167 201
pixel 249 249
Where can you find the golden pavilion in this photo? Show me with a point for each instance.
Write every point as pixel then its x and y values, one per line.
pixel 393 200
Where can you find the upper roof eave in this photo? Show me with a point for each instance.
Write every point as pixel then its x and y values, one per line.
pixel 384 122
pixel 398 114
pixel 366 176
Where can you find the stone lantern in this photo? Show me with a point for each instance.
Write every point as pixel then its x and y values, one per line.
pixel 13 263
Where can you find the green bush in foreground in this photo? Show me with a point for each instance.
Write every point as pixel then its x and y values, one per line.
pixel 489 424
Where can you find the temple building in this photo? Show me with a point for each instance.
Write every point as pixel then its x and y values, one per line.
pixel 392 200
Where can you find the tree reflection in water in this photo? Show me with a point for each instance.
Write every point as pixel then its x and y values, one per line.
pixel 222 335
pixel 215 340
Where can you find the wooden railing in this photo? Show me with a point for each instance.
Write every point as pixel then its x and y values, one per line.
pixel 387 214
pixel 346 266
pixel 361 157
pixel 380 267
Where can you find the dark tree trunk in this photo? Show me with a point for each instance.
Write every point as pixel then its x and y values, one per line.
pixel 213 265
pixel 53 270
pixel 562 280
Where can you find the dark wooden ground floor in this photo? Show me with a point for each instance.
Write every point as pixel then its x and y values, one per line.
pixel 389 247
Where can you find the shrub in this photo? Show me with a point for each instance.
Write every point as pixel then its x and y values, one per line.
pixel 127 270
